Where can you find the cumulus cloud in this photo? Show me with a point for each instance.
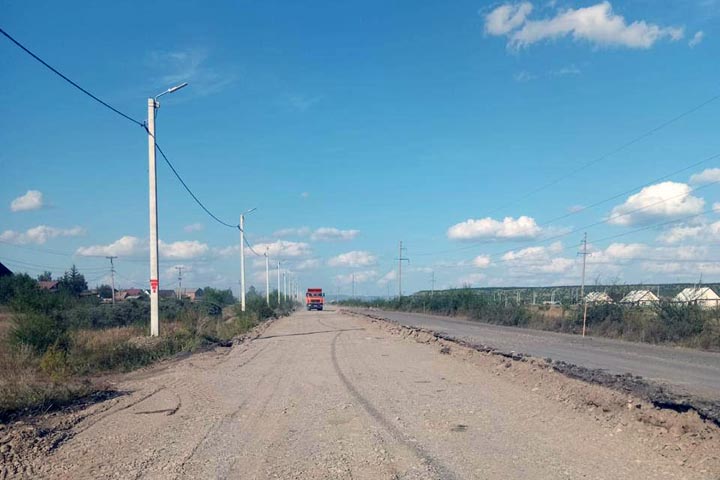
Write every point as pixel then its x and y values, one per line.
pixel 359 277
pixel 193 227
pixel 279 248
pixel 39 234
pixel 481 261
pixel 389 277
pixel 691 233
pixel 697 39
pixel 125 246
pixel 292 232
pixel 130 246
pixel 596 24
pixel 183 250
pixel 709 175
pixel 332 234
pixel 354 259
pixel 309 264
pixel 538 260
pixel 506 18
pixel 659 201
pixel 32 200
pixel 617 252
pixel 522 228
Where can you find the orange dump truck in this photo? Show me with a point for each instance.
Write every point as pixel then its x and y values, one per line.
pixel 314 299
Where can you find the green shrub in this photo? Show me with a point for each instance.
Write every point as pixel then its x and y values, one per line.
pixel 38 331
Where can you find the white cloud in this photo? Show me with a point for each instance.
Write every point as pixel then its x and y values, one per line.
pixel 280 248
pixel 125 246
pixel 596 24
pixel 709 175
pixel 534 253
pixel 193 227
pixel 481 261
pixel 309 264
pixel 183 250
pixel 617 252
pixel 32 200
pixel 490 229
pixel 390 276
pixel 359 277
pixel 704 232
pixel 696 39
pixel 356 258
pixel 40 234
pixel 506 18
pixel 191 66
pixel 524 76
pixel 292 232
pixel 331 233
pixel 659 201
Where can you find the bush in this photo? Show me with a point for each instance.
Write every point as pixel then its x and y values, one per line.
pixel 38 331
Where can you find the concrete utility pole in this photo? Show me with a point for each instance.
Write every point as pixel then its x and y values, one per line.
pixel 153 105
pixel 278 281
pixel 242 262
pixel 179 292
pixel 112 277
pixel 400 260
pixel 582 285
pixel 284 285
pixel 267 275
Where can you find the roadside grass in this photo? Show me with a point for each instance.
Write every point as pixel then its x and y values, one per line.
pixel 33 380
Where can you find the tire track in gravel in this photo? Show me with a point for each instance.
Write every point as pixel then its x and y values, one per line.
pixel 232 415
pixel 439 469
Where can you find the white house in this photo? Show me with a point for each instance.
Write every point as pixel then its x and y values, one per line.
pixel 598 297
pixel 640 297
pixel 702 296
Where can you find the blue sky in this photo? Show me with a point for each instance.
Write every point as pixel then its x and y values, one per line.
pixel 353 125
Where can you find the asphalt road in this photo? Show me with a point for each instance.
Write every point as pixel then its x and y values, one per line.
pixel 685 370
pixel 331 396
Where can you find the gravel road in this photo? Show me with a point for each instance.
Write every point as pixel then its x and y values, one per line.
pixel 687 371
pixel 332 396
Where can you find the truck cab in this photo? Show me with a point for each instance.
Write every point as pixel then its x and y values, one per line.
pixel 314 299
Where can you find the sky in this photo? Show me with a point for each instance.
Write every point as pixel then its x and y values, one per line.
pixel 488 137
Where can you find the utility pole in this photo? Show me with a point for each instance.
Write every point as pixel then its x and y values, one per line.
pixel 285 285
pixel 400 260
pixel 242 262
pixel 179 294
pixel 112 277
pixel 153 105
pixel 154 267
pixel 582 285
pixel 432 282
pixel 267 275
pixel 278 281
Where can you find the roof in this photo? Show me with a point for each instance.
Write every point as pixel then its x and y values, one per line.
pixel 134 291
pixel 4 271
pixel 696 293
pixel 637 296
pixel 597 297
pixel 48 285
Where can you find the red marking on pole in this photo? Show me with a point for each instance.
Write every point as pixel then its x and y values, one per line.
pixel 154 285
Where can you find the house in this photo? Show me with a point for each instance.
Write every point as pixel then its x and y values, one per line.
pixel 49 285
pixel 598 297
pixel 705 297
pixel 167 294
pixel 192 295
pixel 4 271
pixel 129 294
pixel 640 297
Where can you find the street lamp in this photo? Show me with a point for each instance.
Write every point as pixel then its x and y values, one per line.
pixel 153 105
pixel 242 257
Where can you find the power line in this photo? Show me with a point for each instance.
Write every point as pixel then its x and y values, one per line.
pixel 58 73
pixel 618 149
pixel 197 200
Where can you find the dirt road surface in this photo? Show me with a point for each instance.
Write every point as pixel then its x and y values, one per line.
pixel 332 396
pixel 685 370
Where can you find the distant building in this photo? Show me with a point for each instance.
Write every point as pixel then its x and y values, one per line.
pixel 49 285
pixel 705 297
pixel 640 297
pixel 129 294
pixel 598 297
pixel 167 294
pixel 192 295
pixel 4 271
